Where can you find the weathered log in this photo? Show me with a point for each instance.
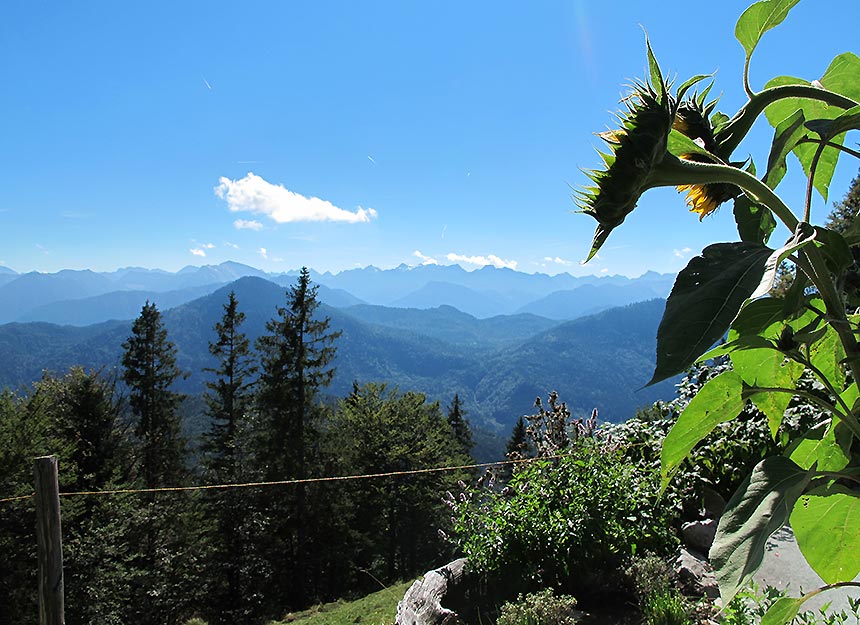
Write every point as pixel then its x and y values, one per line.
pixel 424 602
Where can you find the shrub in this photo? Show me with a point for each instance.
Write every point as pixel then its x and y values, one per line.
pixel 540 608
pixel 571 522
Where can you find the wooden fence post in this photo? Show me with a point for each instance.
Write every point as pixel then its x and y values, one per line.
pixel 50 543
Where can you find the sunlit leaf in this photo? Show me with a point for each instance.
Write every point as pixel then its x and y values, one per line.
pixel 827 354
pixel 718 401
pixel 706 297
pixel 755 221
pixel 783 610
pixel 760 506
pixel 786 136
pixel 768 368
pixel 825 523
pixel 758 19
pixel 824 446
pixel 827 129
pixel 843 77
pixel 803 235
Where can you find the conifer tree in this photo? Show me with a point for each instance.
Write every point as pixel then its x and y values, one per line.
pixel 149 370
pixel 295 362
pixel 228 401
pixel 460 426
pixel 166 585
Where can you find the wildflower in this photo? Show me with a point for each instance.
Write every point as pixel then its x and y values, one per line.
pixel 636 149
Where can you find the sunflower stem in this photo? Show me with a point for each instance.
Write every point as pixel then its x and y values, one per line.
pixel 731 135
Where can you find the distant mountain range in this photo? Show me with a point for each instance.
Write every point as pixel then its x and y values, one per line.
pixel 498 365
pixel 83 297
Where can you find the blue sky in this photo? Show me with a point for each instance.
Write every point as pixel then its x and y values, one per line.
pixel 376 132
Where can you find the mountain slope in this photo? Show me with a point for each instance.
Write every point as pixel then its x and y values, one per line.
pixel 596 361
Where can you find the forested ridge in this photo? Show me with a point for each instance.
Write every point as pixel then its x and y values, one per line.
pixel 495 365
pixel 228 555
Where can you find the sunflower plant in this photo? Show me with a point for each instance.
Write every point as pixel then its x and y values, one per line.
pixel 677 138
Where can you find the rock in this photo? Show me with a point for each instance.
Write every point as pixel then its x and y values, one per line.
pixel 422 603
pixel 699 535
pixel 695 574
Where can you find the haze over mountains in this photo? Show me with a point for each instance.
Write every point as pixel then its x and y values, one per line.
pixel 497 364
pixel 85 297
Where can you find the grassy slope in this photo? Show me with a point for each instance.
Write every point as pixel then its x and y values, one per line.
pixel 376 609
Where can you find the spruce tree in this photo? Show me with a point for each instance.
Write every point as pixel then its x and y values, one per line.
pixel 149 370
pixel 167 583
pixel 229 400
pixel 460 426
pixel 295 363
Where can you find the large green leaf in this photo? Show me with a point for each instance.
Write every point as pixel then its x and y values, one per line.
pixel 768 368
pixel 826 523
pixel 758 19
pixel 760 506
pixel 827 354
pixel 823 447
pixel 755 221
pixel 783 610
pixel 706 297
pixel 803 235
pixel 718 401
pixel 828 129
pixel 786 136
pixel 843 77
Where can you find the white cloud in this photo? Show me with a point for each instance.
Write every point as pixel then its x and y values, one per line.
pixel 263 252
pixel 681 253
pixel 247 224
pixel 254 195
pixel 559 261
pixel 208 246
pixel 232 245
pixel 482 261
pixel 425 260
pixel 197 251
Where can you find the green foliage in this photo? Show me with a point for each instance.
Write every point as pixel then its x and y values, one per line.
pixel 776 345
pixel 394 524
pixel 539 608
pixel 568 522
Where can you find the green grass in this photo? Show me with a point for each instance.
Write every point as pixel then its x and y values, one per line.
pixel 376 609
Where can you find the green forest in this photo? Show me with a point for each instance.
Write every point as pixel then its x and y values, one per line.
pixel 233 554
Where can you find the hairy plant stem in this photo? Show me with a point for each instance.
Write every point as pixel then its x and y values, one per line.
pixel 731 135
pixel 835 146
pixel 807 206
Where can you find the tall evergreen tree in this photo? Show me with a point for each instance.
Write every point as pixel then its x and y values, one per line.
pixel 167 585
pixel 229 401
pixel 149 370
pixel 295 359
pixel 460 426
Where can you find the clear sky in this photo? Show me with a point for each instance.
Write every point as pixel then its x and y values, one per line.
pixel 162 134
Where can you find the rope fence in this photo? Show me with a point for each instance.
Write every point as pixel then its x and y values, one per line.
pixel 310 480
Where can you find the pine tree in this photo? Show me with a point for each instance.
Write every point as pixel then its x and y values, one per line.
pixel 229 401
pixel 845 211
pixel 295 361
pixel 460 426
